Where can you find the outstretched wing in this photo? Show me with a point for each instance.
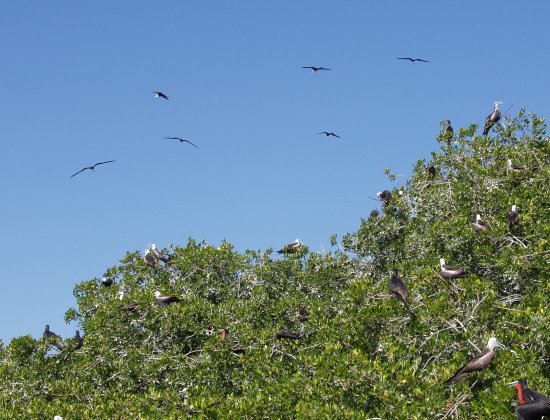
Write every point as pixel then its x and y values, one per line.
pixel 82 170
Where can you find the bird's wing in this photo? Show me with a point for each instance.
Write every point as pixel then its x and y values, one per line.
pixel 533 410
pixel 102 163
pixel 191 143
pixel 336 135
pixel 478 362
pixel 424 61
pixel 323 132
pixel 82 170
pixel 172 138
pixel 404 58
pixel 308 67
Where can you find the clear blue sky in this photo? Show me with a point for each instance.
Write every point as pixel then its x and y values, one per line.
pixel 77 82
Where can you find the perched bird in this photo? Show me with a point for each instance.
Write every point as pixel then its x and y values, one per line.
pixel 283 333
pixel 449 129
pixel 50 334
pixel 532 405
pixel 92 167
pixel 431 171
pixel 224 337
pixel 107 282
pixel 164 301
pixel 384 196
pixel 131 307
pixel 374 214
pixel 224 334
pixel 149 258
pixel 513 216
pixel 398 288
pixel 291 248
pixel 451 273
pixel 182 140
pixel 79 340
pixel 478 362
pixel 492 118
pixel 329 133
pixel 412 60
pixel 159 255
pixel 315 69
pixel 160 95
pixel 512 168
pixel 479 225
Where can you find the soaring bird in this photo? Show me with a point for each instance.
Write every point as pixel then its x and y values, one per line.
pixel 291 248
pixel 50 334
pixel 513 216
pixel 149 258
pixel 510 167
pixel 79 340
pixel 315 69
pixel 374 214
pixel 160 95
pixel 159 255
pixel 384 196
pixel 492 118
pixel 451 273
pixel 164 301
pixel 398 288
pixel 412 60
pixel 283 333
pixel 182 140
pixel 479 225
pixel 329 133
pixel 478 362
pixel 92 167
pixel 532 404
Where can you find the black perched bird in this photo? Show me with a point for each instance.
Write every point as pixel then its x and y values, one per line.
pixel 449 129
pixel 160 95
pixel 492 118
pixel 79 340
pixel 182 140
pixel 374 214
pixel 513 216
pixel 283 333
pixel 50 334
pixel 315 69
pixel 398 288
pixel 412 60
pixel 384 196
pixel 329 133
pixel 479 225
pixel 107 282
pixel 92 167
pixel 164 301
pixel 532 404
pixel 431 171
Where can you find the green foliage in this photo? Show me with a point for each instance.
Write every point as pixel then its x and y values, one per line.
pixel 360 353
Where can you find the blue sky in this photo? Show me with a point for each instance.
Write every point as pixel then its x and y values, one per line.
pixel 77 86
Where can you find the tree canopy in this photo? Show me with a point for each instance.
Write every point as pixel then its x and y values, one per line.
pixel 358 353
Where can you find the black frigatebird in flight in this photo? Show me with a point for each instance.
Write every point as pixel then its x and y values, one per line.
pixel 329 133
pixel 315 69
pixel 451 273
pixel 513 216
pixel 412 60
pixel 398 288
pixel 181 140
pixel 532 404
pixel 92 167
pixel 492 118
pixel 478 362
pixel 160 95
pixel 291 248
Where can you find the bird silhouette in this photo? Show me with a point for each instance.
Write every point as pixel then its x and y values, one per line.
pixel 412 60
pixel 181 140
pixel 315 69
pixel 329 133
pixel 160 95
pixel 92 167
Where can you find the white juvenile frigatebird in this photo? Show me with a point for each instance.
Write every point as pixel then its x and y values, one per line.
pixel 315 69
pixel 159 255
pixel 329 133
pixel 107 282
pixel 149 258
pixel 513 216
pixel 160 95
pixel 479 225
pixel 384 196
pixel 478 362
pixel 492 118
pixel 92 167
pixel 164 301
pixel 291 248
pixel 398 288
pixel 451 273
pixel 510 167
pixel 532 405
pixel 412 60
pixel 182 140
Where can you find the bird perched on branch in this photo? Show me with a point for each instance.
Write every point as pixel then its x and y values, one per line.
pixel 451 273
pixel 398 288
pixel 283 333
pixel 291 248
pixel 492 118
pixel 384 196
pixel 479 225
pixel 513 216
pixel 164 301
pixel 58 343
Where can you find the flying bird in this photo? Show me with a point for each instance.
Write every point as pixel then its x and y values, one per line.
pixel 398 288
pixel 510 167
pixel 315 69
pixel 283 333
pixel 479 225
pixel 412 60
pixel 492 118
pixel 532 404
pixel 164 301
pixel 384 196
pixel 513 216
pixel 478 362
pixel 182 140
pixel 160 95
pixel 451 273
pixel 92 167
pixel 79 340
pixel 329 133
pixel 291 248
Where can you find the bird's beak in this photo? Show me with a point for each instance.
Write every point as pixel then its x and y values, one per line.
pixel 502 346
pixel 512 383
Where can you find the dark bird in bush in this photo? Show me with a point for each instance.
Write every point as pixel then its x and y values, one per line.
pixel 532 405
pixel 431 171
pixel 479 225
pixel 513 216
pixel 384 196
pixel 149 258
pixel 374 214
pixel 164 301
pixel 398 288
pixel 492 118
pixel 451 273
pixel 79 340
pixel 478 362
pixel 159 255
pixel 291 248
pixel 107 282
pixel 283 333
pixel 50 334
